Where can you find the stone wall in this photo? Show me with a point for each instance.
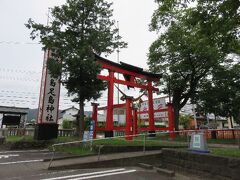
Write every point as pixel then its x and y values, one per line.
pixel 216 167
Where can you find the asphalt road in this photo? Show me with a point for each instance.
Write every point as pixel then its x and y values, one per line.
pixel 29 165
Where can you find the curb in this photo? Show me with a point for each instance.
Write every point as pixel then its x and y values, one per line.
pixel 68 157
pixel 145 166
pixel 165 172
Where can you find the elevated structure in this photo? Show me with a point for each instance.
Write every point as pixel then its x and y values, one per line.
pixel 132 75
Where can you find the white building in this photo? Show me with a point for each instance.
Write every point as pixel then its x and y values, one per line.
pixel 119 114
pixel 68 114
pixel 210 120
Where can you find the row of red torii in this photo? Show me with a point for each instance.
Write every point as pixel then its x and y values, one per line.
pixel 130 73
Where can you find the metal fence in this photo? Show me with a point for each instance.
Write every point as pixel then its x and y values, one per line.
pixel 214 133
pixel 209 133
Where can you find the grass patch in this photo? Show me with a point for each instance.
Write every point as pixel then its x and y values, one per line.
pixel 115 142
pixel 177 138
pixel 210 141
pixel 137 141
pixel 30 138
pixel 76 150
pixel 222 141
pixel 66 139
pixel 18 138
pixel 84 149
pixel 226 152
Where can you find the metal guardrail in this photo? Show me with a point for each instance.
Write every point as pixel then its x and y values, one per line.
pixel 101 146
pixel 186 132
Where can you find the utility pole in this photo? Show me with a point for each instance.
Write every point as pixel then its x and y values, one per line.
pixel 48 14
pixel 118 61
pixel 118 73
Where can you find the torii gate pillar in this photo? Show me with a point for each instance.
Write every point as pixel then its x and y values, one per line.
pixel 129 119
pixel 109 118
pixel 150 107
pixel 135 126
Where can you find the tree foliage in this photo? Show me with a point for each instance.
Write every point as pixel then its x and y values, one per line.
pixel 185 121
pixel 77 30
pixel 66 124
pixel 193 44
pixel 220 94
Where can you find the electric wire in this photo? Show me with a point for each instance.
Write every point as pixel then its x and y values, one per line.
pixel 19 43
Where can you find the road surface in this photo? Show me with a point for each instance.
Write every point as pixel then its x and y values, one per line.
pixel 29 165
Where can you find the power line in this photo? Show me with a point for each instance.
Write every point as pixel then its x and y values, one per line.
pixel 17 70
pixel 19 43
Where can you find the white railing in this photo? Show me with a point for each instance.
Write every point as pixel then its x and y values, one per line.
pixel 30 132
pixel 17 132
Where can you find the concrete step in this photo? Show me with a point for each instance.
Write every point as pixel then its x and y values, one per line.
pixel 165 172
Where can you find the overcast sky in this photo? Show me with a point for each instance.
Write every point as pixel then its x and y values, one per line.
pixel 21 59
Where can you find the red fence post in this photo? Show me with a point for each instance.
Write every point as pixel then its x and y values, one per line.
pixel 94 117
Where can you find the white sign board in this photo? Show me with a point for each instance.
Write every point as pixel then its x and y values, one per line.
pixel 196 141
pixel 49 95
pixel 156 115
pixel 86 136
pixel 158 103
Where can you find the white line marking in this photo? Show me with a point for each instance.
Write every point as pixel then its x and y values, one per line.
pixel 26 151
pixel 85 174
pixel 8 155
pixel 58 172
pixel 42 174
pixel 18 162
pixel 102 175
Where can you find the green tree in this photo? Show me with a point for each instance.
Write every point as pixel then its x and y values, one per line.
pixel 185 121
pixel 66 124
pixel 192 45
pixel 219 20
pixel 220 94
pixel 87 123
pixel 78 30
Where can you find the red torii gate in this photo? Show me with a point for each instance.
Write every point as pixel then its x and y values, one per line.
pixel 130 74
